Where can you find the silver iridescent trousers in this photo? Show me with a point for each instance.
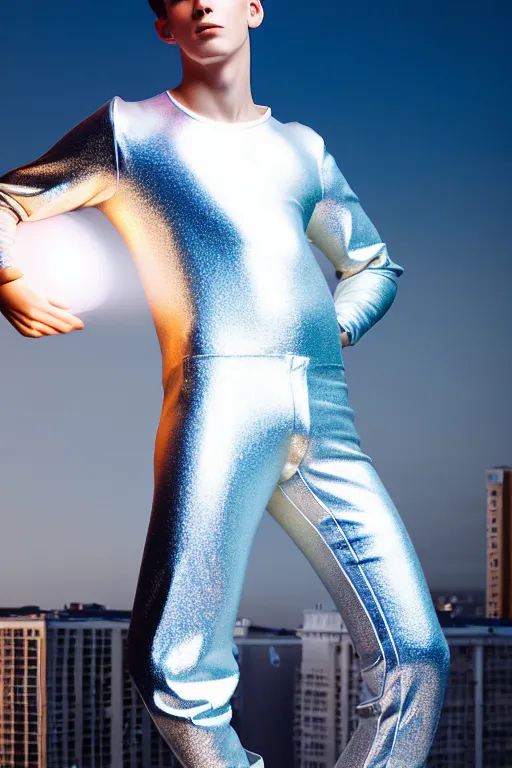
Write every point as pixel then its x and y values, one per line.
pixel 245 433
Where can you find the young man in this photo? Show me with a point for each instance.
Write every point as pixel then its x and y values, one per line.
pixel 216 200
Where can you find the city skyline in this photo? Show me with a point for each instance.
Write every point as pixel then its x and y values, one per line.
pixel 420 127
pixel 68 697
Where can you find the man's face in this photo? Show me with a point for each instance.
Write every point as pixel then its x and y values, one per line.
pixel 233 17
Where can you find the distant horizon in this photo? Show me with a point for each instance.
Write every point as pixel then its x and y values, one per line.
pixel 457 592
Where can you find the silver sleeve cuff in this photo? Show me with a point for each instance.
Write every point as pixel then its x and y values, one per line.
pixel 8 222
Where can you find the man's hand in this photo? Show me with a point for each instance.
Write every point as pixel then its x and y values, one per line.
pixel 345 339
pixel 34 315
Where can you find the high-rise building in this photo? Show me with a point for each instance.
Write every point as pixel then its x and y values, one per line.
pixel 329 686
pixel 23 702
pixel 499 542
pixel 67 699
pixel 475 729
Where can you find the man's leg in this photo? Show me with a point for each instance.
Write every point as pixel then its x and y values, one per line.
pixel 218 464
pixel 338 512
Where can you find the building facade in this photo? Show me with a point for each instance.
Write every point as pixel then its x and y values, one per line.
pixel 499 542
pixel 67 700
pixel 475 729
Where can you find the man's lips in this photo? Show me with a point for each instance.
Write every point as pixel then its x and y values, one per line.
pixel 204 27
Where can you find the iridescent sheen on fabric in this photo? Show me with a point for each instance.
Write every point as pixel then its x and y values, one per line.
pixel 219 218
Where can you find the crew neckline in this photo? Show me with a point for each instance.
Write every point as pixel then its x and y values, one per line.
pixel 222 123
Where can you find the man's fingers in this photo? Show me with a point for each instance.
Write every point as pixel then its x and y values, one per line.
pixel 64 325
pixel 52 326
pixel 63 321
pixel 39 317
pixel 34 311
pixel 53 311
pixel 44 329
pixel 58 302
pixel 23 328
pixel 36 325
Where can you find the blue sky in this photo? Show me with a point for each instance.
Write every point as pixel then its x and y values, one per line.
pixel 413 102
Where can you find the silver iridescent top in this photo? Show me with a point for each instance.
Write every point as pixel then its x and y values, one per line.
pixel 218 218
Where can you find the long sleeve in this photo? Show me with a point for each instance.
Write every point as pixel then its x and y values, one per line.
pixel 340 228
pixel 80 170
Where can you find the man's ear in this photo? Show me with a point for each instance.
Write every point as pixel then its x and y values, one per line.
pixel 162 28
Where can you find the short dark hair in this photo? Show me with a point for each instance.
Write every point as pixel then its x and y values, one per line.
pixel 158 8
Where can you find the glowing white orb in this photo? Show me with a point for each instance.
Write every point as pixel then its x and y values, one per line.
pixel 68 257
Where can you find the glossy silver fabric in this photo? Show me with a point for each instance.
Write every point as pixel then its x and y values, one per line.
pixel 8 221
pixel 218 218
pixel 255 414
pixel 276 432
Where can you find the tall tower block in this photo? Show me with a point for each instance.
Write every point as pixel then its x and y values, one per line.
pixel 499 542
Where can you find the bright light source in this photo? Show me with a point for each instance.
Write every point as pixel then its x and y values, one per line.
pixel 66 257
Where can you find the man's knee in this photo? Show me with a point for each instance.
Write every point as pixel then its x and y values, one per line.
pixel 420 662
pixel 182 680
pixel 426 664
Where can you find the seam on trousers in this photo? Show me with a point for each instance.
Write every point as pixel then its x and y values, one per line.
pixel 340 566
pixel 383 616
pixel 290 369
pixel 347 578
